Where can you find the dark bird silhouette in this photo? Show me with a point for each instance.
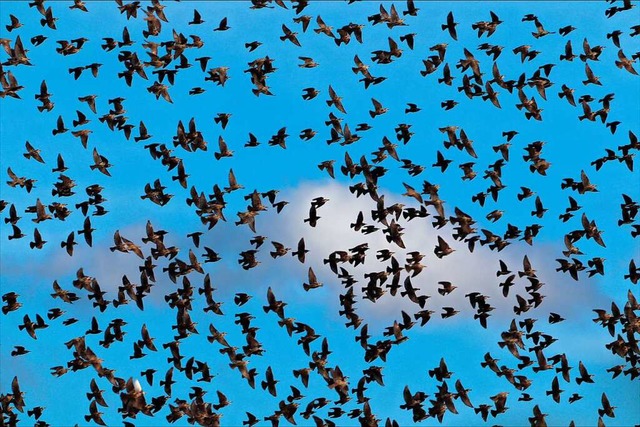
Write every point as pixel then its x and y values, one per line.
pixel 451 26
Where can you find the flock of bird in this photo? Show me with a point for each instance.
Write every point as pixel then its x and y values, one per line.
pixel 166 55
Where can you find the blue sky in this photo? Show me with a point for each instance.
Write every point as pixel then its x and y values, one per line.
pixel 571 146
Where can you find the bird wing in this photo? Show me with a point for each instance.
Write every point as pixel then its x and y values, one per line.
pixel 312 277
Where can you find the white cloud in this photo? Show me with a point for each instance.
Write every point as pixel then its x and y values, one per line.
pixel 470 272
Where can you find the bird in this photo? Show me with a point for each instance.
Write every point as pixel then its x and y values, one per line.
pixel 606 408
pixel 335 100
pixel 591 78
pixel 19 351
pixel 269 383
pixel 59 127
pixel 442 248
pixel 15 23
pixel 301 251
pixel 624 62
pixel 289 35
pixel 96 394
pixel 222 26
pixel 197 18
pixel 307 62
pixel 69 243
pixel 441 162
pixel 32 153
pixel 312 281
pixel 100 163
pixel 450 26
pixel 279 250
pixel 378 109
